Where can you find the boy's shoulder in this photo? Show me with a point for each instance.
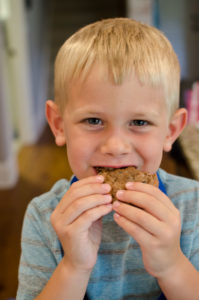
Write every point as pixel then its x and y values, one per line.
pixel 180 188
pixel 176 182
pixel 49 200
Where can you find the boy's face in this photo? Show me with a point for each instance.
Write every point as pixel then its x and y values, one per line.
pixel 115 125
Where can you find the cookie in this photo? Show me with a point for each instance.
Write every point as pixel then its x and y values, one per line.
pixel 117 178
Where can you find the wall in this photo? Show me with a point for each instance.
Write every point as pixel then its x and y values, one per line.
pixel 37 14
pixel 179 20
pixel 176 21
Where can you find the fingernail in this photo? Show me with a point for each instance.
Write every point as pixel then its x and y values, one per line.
pixel 119 194
pixel 106 187
pixel 116 216
pixel 100 178
pixel 129 185
pixel 108 197
pixel 109 206
pixel 116 204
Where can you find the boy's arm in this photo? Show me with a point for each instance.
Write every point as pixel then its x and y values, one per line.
pixel 154 222
pixel 77 222
pixel 44 272
pixel 65 283
pixel 181 282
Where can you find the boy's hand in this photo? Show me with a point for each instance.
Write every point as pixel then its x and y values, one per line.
pixel 77 221
pixel 154 222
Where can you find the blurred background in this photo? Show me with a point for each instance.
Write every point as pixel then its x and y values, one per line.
pixel 31 32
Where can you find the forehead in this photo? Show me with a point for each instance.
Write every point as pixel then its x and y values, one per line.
pixel 99 87
pixel 98 96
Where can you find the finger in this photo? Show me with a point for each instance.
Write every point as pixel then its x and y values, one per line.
pixel 90 216
pixel 138 216
pixel 143 228
pixel 78 207
pixel 142 237
pixel 151 190
pixel 145 202
pixel 88 180
pixel 151 204
pixel 79 191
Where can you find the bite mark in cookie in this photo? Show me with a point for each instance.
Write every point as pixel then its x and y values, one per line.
pixel 117 178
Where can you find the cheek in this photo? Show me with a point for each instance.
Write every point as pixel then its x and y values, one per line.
pixel 154 156
pixel 79 153
pixel 76 161
pixel 151 152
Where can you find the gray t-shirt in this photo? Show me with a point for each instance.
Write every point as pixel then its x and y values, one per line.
pixel 119 272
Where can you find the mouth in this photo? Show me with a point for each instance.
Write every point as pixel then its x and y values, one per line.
pixel 111 168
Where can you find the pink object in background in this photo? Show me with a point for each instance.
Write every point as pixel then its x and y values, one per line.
pixel 192 104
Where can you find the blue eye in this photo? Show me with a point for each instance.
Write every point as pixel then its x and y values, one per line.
pixel 140 123
pixel 94 121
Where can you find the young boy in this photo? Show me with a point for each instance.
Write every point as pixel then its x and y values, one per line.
pixel 116 105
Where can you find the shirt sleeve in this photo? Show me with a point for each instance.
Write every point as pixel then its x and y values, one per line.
pixel 190 221
pixel 194 254
pixel 40 253
pixel 194 258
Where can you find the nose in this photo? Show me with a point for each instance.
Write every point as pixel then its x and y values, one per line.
pixel 116 144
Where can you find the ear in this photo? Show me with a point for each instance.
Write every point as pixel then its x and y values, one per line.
pixel 56 123
pixel 176 126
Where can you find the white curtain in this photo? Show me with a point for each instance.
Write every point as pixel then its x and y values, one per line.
pixel 8 166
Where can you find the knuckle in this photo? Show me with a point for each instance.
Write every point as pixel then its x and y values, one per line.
pixel 88 213
pixel 178 215
pixel 140 217
pixel 177 227
pixel 57 224
pixel 168 234
pixel 65 232
pixel 53 217
pixel 75 184
pixel 176 224
pixel 154 244
pixel 73 192
pixel 76 204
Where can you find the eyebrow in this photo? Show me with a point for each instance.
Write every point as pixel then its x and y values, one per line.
pixel 152 114
pixel 135 114
pixel 88 110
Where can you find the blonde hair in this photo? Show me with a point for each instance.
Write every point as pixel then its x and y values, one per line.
pixel 123 46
